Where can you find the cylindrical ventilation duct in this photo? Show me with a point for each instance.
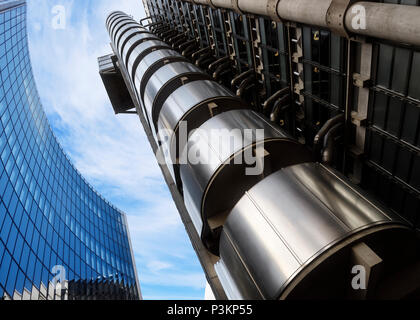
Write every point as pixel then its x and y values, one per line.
pixel 140 52
pixel 150 64
pixel 298 234
pixel 224 158
pixel 186 109
pixel 137 44
pixel 128 34
pixel 165 81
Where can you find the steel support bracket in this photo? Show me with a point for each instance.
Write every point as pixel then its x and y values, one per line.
pixel 358 120
pixel 272 10
pixel 235 6
pixel 361 81
pixel 336 16
pixel 205 2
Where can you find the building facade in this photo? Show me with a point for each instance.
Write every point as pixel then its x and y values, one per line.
pixel 59 239
pixel 336 94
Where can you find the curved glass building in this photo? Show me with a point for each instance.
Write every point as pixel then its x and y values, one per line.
pixel 54 228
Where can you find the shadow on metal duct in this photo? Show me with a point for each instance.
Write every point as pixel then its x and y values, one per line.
pixel 300 233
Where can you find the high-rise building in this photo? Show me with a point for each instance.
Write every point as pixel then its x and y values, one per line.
pixel 333 211
pixel 59 239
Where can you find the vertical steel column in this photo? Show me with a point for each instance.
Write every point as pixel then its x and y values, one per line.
pixel 361 80
pixel 296 76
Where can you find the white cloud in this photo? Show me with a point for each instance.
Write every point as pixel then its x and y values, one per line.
pixel 111 152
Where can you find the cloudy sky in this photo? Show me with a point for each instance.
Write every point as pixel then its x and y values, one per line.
pixel 111 151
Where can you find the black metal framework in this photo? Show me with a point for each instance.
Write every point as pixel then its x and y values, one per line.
pixel 274 55
pixel 393 140
pixel 325 62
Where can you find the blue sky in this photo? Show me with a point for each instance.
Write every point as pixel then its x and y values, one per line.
pixel 112 152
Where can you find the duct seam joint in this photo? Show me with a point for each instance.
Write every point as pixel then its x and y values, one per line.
pixel 235 6
pixel 272 10
pixel 336 16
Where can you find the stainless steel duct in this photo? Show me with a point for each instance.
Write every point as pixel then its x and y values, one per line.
pixel 193 104
pixel 150 64
pixel 127 48
pixel 165 81
pixel 127 36
pixel 140 52
pixel 293 235
pixel 115 23
pixel 130 30
pixel 124 27
pixel 213 184
pixel 112 16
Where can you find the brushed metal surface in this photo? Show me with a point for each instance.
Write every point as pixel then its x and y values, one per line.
pixel 133 42
pixel 126 36
pixel 129 29
pixel 112 17
pixel 120 30
pixel 138 51
pixel 117 22
pixel 146 63
pixel 162 77
pixel 288 221
pixel 221 142
pixel 190 103
pixel 186 97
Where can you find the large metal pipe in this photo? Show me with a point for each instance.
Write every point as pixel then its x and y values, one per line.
pixel 260 7
pixel 296 234
pixel 393 22
pixel 224 145
pixel 304 11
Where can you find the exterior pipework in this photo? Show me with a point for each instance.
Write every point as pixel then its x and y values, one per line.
pixel 191 104
pixel 126 29
pixel 150 64
pixel 292 236
pixel 127 48
pixel 227 165
pixel 165 81
pixel 140 52
pixel 393 22
pixel 179 91
pixel 280 230
pixel 133 37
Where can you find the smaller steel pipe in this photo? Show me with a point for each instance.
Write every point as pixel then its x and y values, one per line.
pixel 245 85
pixel 213 66
pixel 221 69
pixel 240 77
pixel 329 144
pixel 274 97
pixel 326 127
